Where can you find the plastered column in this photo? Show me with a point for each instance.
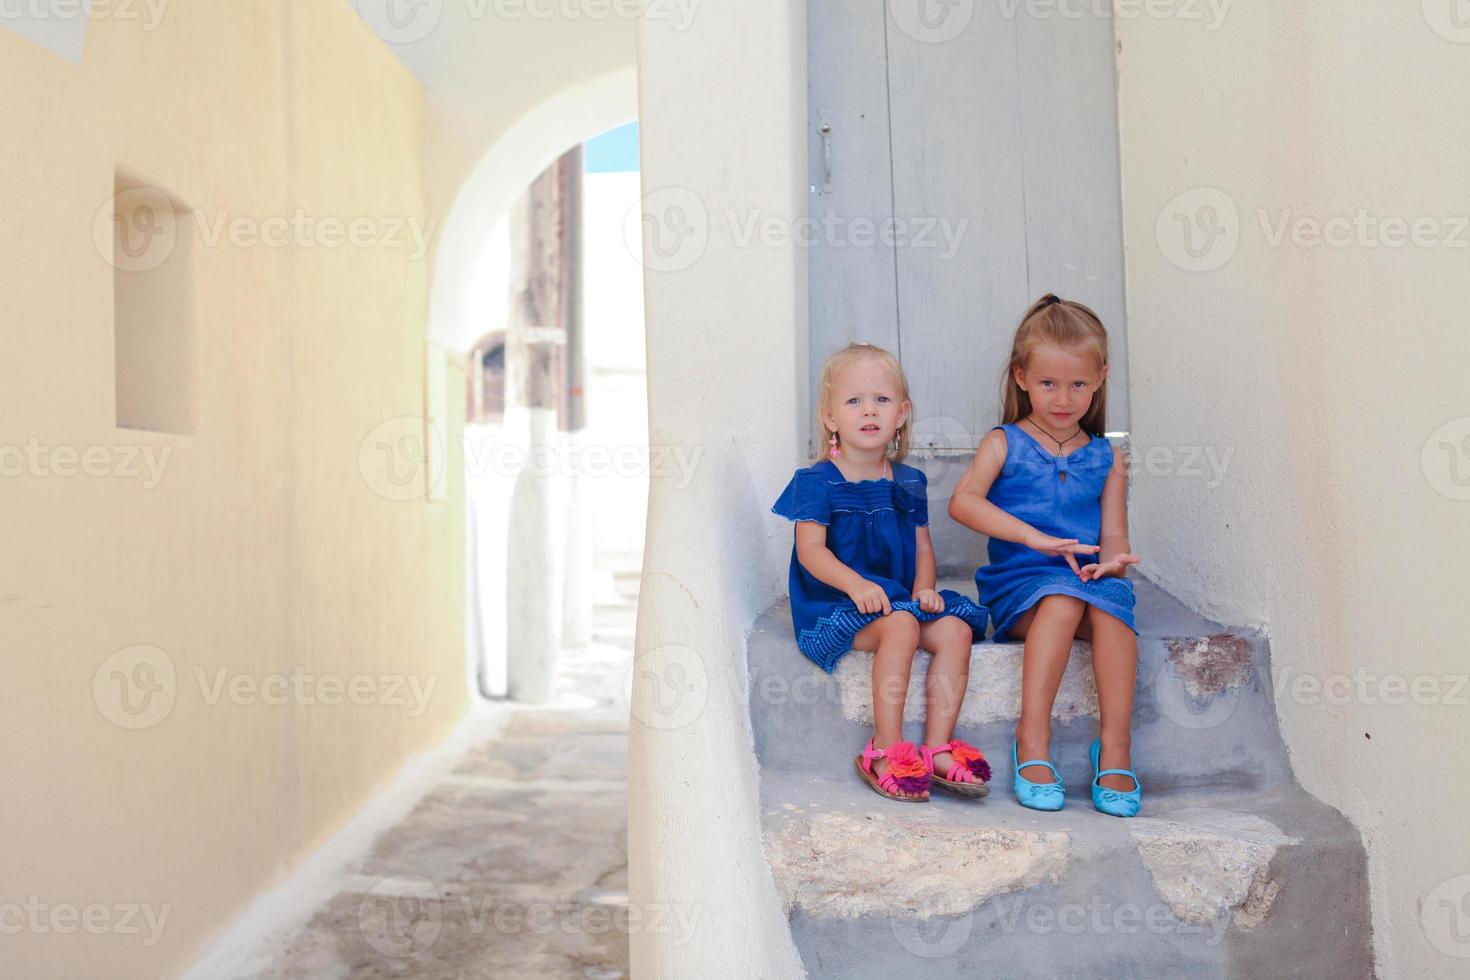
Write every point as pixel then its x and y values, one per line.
pixel 722 115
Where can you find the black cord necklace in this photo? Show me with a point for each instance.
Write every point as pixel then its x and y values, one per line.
pixel 1061 443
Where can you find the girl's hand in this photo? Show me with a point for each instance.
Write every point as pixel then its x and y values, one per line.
pixel 929 600
pixel 869 597
pixel 1066 547
pixel 1117 567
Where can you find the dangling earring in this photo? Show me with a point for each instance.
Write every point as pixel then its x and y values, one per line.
pixel 832 448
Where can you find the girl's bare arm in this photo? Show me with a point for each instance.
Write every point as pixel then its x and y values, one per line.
pixel 1114 537
pixel 824 566
pixel 969 506
pixel 926 571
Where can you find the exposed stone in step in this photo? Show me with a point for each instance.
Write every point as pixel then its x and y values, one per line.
pixel 1205 668
pixel 838 851
pixel 1231 870
pixel 1207 863
pixel 1203 717
pixel 845 865
pixel 994 692
pixel 1210 665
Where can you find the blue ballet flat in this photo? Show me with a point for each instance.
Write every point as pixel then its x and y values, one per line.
pixel 1037 796
pixel 1113 802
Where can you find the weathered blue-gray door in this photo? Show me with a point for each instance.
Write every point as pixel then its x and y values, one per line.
pixel 964 161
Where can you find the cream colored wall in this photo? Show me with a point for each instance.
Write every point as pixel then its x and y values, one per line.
pixel 263 549
pixel 1324 370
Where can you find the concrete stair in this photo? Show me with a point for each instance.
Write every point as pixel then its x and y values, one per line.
pixel 1230 869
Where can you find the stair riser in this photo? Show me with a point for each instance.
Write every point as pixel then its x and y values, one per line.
pixel 1107 919
pixel 1230 870
pixel 804 718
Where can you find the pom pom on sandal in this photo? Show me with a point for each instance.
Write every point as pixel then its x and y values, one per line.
pixel 970 757
pixel 907 772
pixel 968 775
pixel 907 769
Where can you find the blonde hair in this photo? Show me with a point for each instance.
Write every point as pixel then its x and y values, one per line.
pixel 1065 325
pixel 832 370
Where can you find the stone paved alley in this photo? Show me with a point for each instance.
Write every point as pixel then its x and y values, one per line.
pixel 514 865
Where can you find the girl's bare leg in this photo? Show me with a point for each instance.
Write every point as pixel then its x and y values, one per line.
pixel 948 641
pixel 1115 665
pixel 1048 628
pixel 893 639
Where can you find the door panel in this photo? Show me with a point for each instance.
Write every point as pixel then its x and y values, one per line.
pixel 956 152
pixel 852 286
pixel 1073 199
pixel 994 152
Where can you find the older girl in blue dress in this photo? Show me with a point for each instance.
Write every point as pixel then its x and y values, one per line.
pixel 863 576
pixel 1048 490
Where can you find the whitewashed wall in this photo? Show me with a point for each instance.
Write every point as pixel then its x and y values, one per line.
pixel 1325 372
pixel 722 110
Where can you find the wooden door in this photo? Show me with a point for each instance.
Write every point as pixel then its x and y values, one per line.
pixel 986 138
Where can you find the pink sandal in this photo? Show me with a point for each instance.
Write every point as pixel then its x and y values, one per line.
pixel 906 772
pixel 969 774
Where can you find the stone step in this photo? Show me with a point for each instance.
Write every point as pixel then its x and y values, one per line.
pixel 1230 869
pixel 1203 714
pixel 1268 883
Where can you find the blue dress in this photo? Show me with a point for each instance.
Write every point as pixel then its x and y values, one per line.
pixel 1030 487
pixel 871 528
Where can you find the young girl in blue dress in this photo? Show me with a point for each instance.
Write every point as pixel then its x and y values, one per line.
pixel 863 576
pixel 1048 490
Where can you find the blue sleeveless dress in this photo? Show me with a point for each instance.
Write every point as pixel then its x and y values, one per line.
pixel 871 528
pixel 1030 487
